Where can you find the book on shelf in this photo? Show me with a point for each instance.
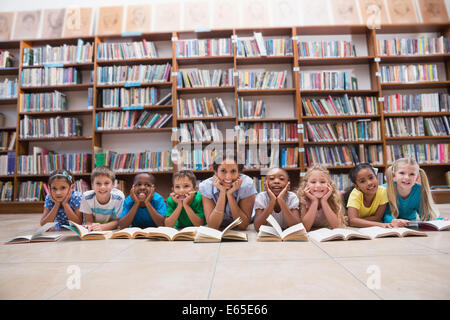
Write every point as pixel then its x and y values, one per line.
pixel 422 153
pixel 37 236
pixel 360 130
pixel 199 132
pixel 423 102
pixel 267 132
pixel 50 127
pixel 52 76
pixel 166 100
pixel 202 107
pixel 260 159
pixel 262 79
pixel 126 50
pixel 8 89
pixel 133 75
pixel 206 234
pixel 251 109
pixel 274 232
pixel 7 140
pixel 64 54
pixel 135 162
pixel 326 49
pixel 198 78
pixel 328 80
pixel 413 46
pixel 257 46
pixel 344 155
pixel 7 163
pixel 43 102
pixel 117 120
pixel 6 190
pixel 409 73
pixel 204 47
pixel 84 234
pixel 7 59
pixel 340 106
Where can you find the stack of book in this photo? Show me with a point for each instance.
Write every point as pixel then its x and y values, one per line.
pixel 64 54
pixel 418 46
pixel 409 73
pixel 262 79
pixel 50 127
pixel 202 107
pixel 204 48
pixel 126 50
pixel 328 80
pixel 136 74
pixel 125 120
pixel 205 78
pixel 361 130
pixel 340 106
pixel 43 102
pixel 326 49
pixel 420 102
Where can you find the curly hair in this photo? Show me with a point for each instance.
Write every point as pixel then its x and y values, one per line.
pixel 334 200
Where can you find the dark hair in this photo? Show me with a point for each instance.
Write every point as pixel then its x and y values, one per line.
pixel 61 174
pixel 230 155
pixel 103 171
pixel 152 177
pixel 184 173
pixel 352 175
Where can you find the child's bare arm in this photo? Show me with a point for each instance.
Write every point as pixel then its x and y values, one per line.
pixel 173 218
pixel 309 215
pixel 291 216
pixel 355 221
pixel 49 215
pixel 214 212
pixel 126 220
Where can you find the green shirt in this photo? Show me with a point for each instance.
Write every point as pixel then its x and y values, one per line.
pixel 183 220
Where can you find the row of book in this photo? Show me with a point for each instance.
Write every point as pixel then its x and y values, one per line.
pixel 50 127
pixel 199 78
pixel 202 107
pixel 126 120
pixel 128 97
pixel 6 191
pixel 417 126
pixel 419 102
pixel 47 101
pixel 267 132
pixel 409 73
pixel 8 89
pixel 135 162
pixel 44 161
pixel 136 74
pixel 361 130
pixel 251 109
pixel 199 132
pixel 417 46
pixel 7 140
pixel 262 79
pixel 326 49
pixel 64 54
pixel 7 163
pixel 343 155
pixel 258 46
pixel 50 76
pixel 204 47
pixel 7 59
pixel 126 50
pixel 423 153
pixel 263 158
pixel 340 106
pixel 328 80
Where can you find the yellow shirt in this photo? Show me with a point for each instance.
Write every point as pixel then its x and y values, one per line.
pixel 355 200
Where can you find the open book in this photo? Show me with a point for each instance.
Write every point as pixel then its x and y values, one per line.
pixel 156 233
pixel 129 233
pixel 325 234
pixel 37 236
pixel 84 234
pixel 379 232
pixel 296 232
pixel 206 234
pixel 435 225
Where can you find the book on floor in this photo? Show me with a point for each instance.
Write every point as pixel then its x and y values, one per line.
pixel 206 234
pixel 129 233
pixel 156 233
pixel 296 232
pixel 84 234
pixel 380 232
pixel 37 236
pixel 435 225
pixel 325 234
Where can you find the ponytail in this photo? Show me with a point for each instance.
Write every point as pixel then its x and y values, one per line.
pixel 391 191
pixel 429 211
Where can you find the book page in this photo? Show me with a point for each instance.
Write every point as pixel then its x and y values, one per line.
pixel 188 230
pixel 231 226
pixel 440 224
pixel 405 231
pixel 233 234
pixel 347 232
pixel 42 229
pixel 273 222
pixel 267 230
pixel 166 230
pixel 321 234
pixel 20 239
pixel 210 232
pixel 295 228
pixel 376 231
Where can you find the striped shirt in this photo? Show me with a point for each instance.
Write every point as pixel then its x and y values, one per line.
pixel 103 213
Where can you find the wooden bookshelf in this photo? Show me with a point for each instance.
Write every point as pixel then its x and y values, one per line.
pixel 288 99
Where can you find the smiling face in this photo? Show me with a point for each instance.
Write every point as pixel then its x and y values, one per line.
pixel 406 175
pixel 228 172
pixel 102 186
pixel 277 180
pixel 143 185
pixel 59 189
pixel 367 181
pixel 318 183
pixel 182 186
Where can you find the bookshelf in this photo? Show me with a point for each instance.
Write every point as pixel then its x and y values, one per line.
pixel 212 67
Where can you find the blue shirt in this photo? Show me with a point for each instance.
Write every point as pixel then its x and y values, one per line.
pixel 207 189
pixel 61 217
pixel 142 218
pixel 408 208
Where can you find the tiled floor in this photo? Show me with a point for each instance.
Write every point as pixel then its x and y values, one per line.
pixel 408 268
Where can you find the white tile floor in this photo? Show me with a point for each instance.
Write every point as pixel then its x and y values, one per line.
pixel 409 268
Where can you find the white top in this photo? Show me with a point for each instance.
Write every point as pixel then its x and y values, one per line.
pixel 103 213
pixel 262 201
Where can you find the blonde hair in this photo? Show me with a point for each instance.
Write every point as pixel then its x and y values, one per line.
pixel 427 207
pixel 334 200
